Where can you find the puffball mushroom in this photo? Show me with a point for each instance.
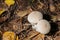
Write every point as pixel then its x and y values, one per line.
pixel 34 17
pixel 42 26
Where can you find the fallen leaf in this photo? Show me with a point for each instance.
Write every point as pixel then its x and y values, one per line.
pixel 39 37
pixel 57 38
pixel 9 36
pixel 23 13
pixel 9 2
pixel 1 11
pixel 52 8
pixel 54 18
pixel 34 35
pixel 17 38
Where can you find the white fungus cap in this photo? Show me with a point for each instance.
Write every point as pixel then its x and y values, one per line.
pixel 42 26
pixel 34 17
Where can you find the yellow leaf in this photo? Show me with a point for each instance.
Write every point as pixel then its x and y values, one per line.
pixel 17 38
pixel 9 2
pixel 1 11
pixel 9 36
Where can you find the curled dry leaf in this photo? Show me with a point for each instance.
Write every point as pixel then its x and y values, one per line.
pixel 31 34
pixel 48 37
pixel 34 35
pixel 23 13
pixel 57 33
pixel 40 5
pixel 52 8
pixel 54 18
pixel 39 37
pixel 57 38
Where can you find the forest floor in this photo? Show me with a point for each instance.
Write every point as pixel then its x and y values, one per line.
pixel 14 19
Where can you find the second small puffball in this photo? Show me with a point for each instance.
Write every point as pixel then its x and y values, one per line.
pixel 34 17
pixel 42 26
